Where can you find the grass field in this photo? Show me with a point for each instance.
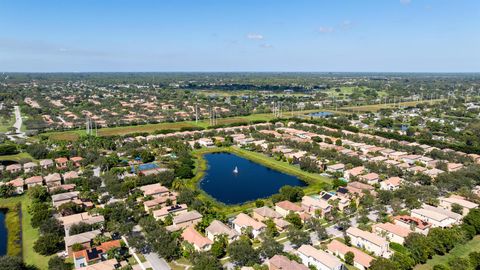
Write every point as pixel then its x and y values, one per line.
pixel 73 135
pixel 377 107
pixel 29 234
pixel 6 123
pixel 315 182
pixel 458 251
pixel 17 157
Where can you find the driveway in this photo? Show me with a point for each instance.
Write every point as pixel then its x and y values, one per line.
pixel 156 262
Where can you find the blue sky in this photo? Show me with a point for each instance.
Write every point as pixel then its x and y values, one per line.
pixel 240 35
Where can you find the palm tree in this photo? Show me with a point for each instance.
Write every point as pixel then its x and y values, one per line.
pixel 178 184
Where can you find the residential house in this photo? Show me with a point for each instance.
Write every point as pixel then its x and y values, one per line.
pixel 370 178
pixel 29 167
pixel 243 221
pixel 18 185
pixel 61 162
pixel 393 233
pixel 319 258
pixel 336 168
pixel 354 172
pixel 437 216
pixel 160 202
pixel 313 206
pixel 183 220
pixel 14 168
pixel 83 239
pixel 198 241
pixel 173 210
pixel 280 262
pixel 361 260
pixel 34 181
pixel 53 180
pixel 217 228
pixel 70 175
pixel 415 224
pixel 360 188
pixel 451 167
pixel 369 241
pixel 447 202
pixel 46 163
pixel 84 217
pixel 284 208
pixel 155 190
pixel 88 257
pixel 392 183
pixel 77 161
pixel 264 213
pixel 61 198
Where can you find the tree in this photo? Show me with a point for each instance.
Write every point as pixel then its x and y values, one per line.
pixel 294 219
pixel 205 261
pixel 440 267
pixel 293 194
pixel 12 263
pixel 403 261
pixel 315 225
pixel 7 191
pixel 349 257
pixel 51 225
pixel 419 247
pixel 80 227
pixel 270 247
pixel 459 263
pixel 474 259
pixel 57 263
pixel 8 149
pixel 38 193
pixel 473 219
pixel 242 253
pixel 219 246
pixel 383 264
pixel 48 244
pixel 37 150
pixel 457 208
pixel 147 156
pixel 297 237
pixel 271 230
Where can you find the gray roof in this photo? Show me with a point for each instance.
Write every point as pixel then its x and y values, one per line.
pixel 187 216
pixel 218 228
pixel 65 196
pixel 80 238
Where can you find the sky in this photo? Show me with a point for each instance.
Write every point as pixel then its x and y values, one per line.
pixel 240 35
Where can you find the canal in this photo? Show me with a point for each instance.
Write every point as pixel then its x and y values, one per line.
pixel 251 181
pixel 3 234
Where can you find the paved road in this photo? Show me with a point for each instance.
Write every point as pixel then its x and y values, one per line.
pixel 17 125
pixel 157 262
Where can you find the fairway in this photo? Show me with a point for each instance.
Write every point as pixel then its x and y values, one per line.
pixel 17 157
pixel 458 251
pixel 377 107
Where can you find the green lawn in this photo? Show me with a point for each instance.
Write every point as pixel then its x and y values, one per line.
pixel 17 157
pixel 458 251
pixel 377 107
pixel 6 123
pixel 315 182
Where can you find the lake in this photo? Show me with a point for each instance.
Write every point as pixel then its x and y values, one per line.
pixel 3 234
pixel 253 181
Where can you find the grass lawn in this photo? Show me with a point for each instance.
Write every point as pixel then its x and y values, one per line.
pixel 73 135
pixel 315 182
pixel 377 107
pixel 458 251
pixel 17 157
pixel 6 123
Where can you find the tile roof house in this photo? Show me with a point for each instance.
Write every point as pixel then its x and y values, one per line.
pixel 369 241
pixel 18 185
pixel 217 228
pixel 280 262
pixel 88 257
pixel 313 205
pixel 84 217
pixel 76 161
pixel 393 233
pixel 416 224
pixel 186 219
pixel 14 168
pixel 159 201
pixel 437 216
pixel 163 212
pixel 29 167
pixel 61 162
pixel 354 172
pixel 360 188
pixel 154 190
pixel 284 208
pixel 70 175
pixel 83 238
pixel 391 183
pixel 243 221
pixel 34 181
pixel 370 178
pixel 61 198
pixel 433 172
pixel 339 167
pixel 264 213
pixel 111 264
pixel 319 258
pixel 53 180
pixel 447 202
pixel 46 163
pixel 361 260
pixel 198 241
pixel 454 166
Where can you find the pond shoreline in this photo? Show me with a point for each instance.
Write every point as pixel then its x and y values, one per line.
pixel 13 226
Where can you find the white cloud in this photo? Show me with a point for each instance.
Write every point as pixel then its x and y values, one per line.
pixel 266 46
pixel 326 29
pixel 347 24
pixel 255 36
pixel 405 2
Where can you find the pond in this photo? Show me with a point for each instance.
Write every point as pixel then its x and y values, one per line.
pixel 3 234
pixel 321 114
pixel 251 181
